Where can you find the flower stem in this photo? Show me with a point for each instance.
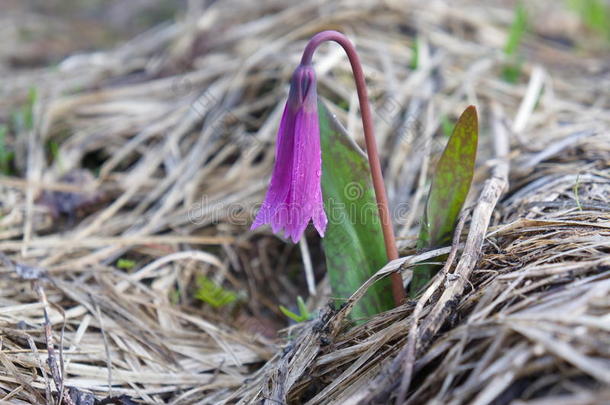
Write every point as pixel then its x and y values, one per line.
pixel 371 147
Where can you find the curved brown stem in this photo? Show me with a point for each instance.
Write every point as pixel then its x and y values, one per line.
pixel 398 290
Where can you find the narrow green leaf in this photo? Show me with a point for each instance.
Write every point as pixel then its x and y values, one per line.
pixel 125 264
pixel 448 191
pixel 512 69
pixel 302 307
pixel 6 155
pixel 511 72
pixel 353 243
pixel 213 294
pixel 517 29
pixel 303 314
pixel 289 314
pixel 594 14
pixel 415 56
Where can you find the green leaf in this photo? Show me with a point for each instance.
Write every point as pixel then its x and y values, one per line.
pixel 448 191
pixel 594 14
pixel 303 314
pixel 415 56
pixel 302 307
pixel 6 155
pixel 213 294
pixel 517 29
pixel 512 69
pixel 23 117
pixel 28 109
pixel 511 72
pixel 353 244
pixel 125 264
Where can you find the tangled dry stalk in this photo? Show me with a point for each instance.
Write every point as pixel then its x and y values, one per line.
pixel 163 148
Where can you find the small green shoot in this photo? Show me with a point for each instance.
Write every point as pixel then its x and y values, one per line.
pixel 303 315
pixel 594 14
pixel 213 294
pixel 517 29
pixel 54 155
pixel 512 70
pixel 575 191
pixel 6 155
pixel 28 109
pixel 415 49
pixel 448 191
pixel 125 264
pixel 53 150
pixel 23 119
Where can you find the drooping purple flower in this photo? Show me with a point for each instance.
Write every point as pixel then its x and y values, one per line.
pixel 295 194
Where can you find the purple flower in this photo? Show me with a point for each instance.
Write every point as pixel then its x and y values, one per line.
pixel 295 194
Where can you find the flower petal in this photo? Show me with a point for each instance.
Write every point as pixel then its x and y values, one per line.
pixel 282 171
pixel 295 194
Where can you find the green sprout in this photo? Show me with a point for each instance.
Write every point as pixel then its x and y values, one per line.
pixel 125 264
pixel 52 147
pixel 512 70
pixel 594 14
pixel 23 119
pixel 213 294
pixel 415 48
pixel 6 155
pixel 302 316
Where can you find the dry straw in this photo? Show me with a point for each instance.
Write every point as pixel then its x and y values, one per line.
pixel 181 121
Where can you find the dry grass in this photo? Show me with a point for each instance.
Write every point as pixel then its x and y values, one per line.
pixel 165 144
